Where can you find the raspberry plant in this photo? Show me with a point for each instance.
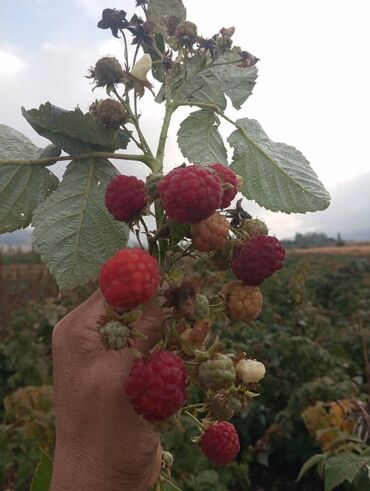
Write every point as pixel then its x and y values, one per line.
pixel 82 224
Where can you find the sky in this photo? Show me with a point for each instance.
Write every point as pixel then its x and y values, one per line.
pixel 312 91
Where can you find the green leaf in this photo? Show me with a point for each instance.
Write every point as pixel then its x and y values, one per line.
pixel 199 139
pixel 74 131
pixel 159 11
pixel 41 480
pixel 362 480
pixel 311 462
pixel 211 83
pixel 276 176
pixel 22 187
pixel 74 233
pixel 343 467
pixel 157 69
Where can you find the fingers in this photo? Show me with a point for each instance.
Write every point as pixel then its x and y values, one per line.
pixel 78 329
pixel 150 324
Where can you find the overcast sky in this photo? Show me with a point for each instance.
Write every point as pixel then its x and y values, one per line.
pixel 312 91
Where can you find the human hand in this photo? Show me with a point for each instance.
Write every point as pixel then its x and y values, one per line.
pixel 101 443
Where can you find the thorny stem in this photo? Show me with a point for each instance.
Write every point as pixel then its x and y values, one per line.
pixel 144 144
pixel 365 353
pixel 126 50
pixel 46 161
pixel 137 143
pixel 136 53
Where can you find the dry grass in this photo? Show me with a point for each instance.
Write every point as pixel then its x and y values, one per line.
pixel 348 250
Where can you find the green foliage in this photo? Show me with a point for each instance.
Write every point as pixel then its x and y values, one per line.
pixel 27 425
pixel 74 233
pixel 22 188
pixel 210 83
pixel 159 10
pixel 42 477
pixel 73 131
pixel 199 139
pixel 276 176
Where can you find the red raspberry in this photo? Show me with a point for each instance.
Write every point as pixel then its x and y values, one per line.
pixel 129 278
pixel 210 234
pixel 220 442
pixel 190 194
pixel 258 259
pixel 227 176
pixel 125 197
pixel 156 386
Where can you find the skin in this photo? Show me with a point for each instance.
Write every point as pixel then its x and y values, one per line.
pixel 101 443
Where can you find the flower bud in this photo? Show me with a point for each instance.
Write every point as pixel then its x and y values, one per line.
pixel 142 67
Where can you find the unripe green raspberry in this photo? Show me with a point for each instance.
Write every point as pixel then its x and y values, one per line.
pixel 201 306
pixel 217 373
pixel 114 335
pixel 151 185
pixel 254 227
pixel 224 408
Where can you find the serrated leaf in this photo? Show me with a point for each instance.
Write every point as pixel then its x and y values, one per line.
pixel 41 480
pixel 343 467
pixel 199 139
pixel 311 462
pixel 160 10
pixel 74 233
pixel 211 83
pixel 277 176
pixel 74 131
pixel 22 187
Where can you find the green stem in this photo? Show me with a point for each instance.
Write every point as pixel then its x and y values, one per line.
pixel 170 109
pixel 144 144
pixel 46 161
pixel 199 424
pixel 127 66
pixel 171 483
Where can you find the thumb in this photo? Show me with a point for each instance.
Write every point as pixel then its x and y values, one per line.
pixel 150 324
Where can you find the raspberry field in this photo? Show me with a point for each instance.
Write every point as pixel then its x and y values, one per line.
pixel 312 336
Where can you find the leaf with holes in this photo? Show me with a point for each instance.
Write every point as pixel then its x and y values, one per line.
pixel 276 176
pixel 74 131
pixel 199 139
pixel 22 187
pixel 74 233
pixel 211 83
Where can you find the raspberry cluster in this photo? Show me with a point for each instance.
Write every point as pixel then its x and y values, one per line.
pixel 193 223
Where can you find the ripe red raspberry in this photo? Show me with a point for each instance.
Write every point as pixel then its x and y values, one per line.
pixel 220 443
pixel 129 278
pixel 125 197
pixel 227 176
pixel 258 259
pixel 243 302
pixel 210 234
pixel 156 386
pixel 190 194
